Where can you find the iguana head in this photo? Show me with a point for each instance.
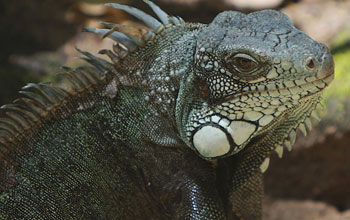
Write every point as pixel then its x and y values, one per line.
pixel 251 73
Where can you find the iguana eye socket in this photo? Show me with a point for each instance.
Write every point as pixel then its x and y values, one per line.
pixel 243 62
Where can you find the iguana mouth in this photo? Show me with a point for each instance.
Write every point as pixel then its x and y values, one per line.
pixel 322 82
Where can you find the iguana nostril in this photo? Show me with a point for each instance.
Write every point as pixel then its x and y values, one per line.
pixel 327 66
pixel 310 63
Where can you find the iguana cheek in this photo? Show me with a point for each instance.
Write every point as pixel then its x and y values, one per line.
pixel 211 141
pixel 214 140
pixel 241 131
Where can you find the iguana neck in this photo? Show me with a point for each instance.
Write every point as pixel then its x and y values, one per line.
pixel 164 77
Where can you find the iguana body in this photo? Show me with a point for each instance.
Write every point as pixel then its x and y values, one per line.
pixel 179 124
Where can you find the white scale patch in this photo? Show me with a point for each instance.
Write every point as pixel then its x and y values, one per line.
pixel 211 141
pixel 111 89
pixel 241 131
pixel 265 120
pixel 252 115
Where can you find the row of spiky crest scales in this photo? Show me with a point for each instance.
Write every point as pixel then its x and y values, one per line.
pixel 41 102
pixel 45 101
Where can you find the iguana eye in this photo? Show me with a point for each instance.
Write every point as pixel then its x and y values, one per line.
pixel 243 63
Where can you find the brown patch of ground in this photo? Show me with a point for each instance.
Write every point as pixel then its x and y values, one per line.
pixel 301 210
pixel 320 172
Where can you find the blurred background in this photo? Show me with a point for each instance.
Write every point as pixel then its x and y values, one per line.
pixel 311 182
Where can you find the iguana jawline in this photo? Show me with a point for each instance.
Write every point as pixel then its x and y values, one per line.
pixel 327 80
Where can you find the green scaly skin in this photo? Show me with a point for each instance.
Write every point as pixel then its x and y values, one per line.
pixel 179 124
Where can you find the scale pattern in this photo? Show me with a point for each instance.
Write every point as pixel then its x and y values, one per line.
pixel 178 123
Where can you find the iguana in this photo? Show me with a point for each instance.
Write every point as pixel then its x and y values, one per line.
pixel 179 123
